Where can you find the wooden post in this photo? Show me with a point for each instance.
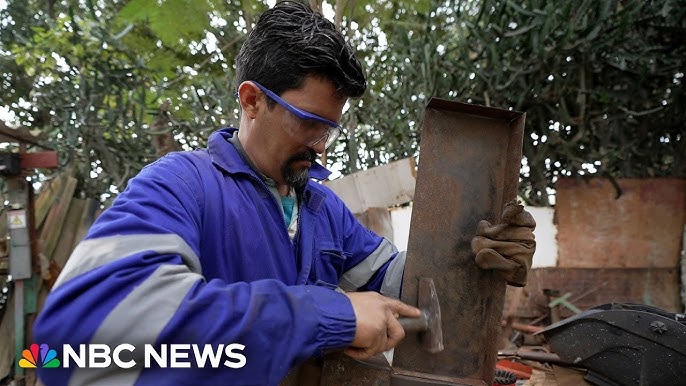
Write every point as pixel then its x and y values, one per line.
pixel 683 268
pixel 20 262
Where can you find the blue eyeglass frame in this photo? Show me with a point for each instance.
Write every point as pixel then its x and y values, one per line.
pixel 302 114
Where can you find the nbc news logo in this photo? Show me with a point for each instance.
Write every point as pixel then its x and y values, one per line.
pixel 166 355
pixel 31 358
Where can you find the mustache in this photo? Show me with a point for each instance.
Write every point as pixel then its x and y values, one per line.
pixel 306 155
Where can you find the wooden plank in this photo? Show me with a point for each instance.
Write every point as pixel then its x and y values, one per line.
pixel 45 159
pixel 541 378
pixel 70 228
pixel 7 338
pixel 640 228
pixel 3 222
pixel 559 376
pixel 47 196
pixel 90 213
pixel 20 135
pixel 50 232
pixel 565 376
pixel 683 267
pixel 379 187
pixel 4 245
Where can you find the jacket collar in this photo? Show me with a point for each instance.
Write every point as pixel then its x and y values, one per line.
pixel 225 156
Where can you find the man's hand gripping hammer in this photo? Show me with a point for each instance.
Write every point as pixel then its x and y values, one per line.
pixel 428 325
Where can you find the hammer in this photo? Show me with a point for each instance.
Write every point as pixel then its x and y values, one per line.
pixel 428 325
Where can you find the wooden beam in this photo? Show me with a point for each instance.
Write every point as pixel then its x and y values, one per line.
pixel 49 193
pixel 20 135
pixel 51 229
pixel 44 159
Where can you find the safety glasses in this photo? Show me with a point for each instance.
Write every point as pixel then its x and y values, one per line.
pixel 309 129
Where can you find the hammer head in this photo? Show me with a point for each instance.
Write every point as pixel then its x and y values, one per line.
pixel 427 301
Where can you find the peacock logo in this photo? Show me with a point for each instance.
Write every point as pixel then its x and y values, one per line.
pixel 30 358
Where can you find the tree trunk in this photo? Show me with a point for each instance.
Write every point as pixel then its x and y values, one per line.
pixel 162 135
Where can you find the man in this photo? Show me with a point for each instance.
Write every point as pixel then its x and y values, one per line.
pixel 235 243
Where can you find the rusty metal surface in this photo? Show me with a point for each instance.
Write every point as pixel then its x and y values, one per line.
pixel 341 370
pixel 468 169
pixel 412 378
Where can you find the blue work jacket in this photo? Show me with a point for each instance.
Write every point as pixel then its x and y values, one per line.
pixel 195 251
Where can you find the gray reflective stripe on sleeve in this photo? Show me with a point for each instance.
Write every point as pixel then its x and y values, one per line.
pixel 393 280
pixel 94 253
pixel 360 274
pixel 138 320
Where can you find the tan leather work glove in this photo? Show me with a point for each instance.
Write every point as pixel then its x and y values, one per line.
pixel 508 247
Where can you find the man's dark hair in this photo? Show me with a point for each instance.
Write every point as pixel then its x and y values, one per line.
pixel 289 43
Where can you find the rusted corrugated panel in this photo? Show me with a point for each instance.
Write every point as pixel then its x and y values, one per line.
pixel 468 169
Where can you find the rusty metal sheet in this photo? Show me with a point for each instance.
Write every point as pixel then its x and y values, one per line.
pixel 412 378
pixel 341 370
pixel 468 169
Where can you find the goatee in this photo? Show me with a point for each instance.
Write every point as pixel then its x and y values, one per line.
pixel 298 178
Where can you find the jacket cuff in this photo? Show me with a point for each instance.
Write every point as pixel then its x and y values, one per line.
pixel 336 318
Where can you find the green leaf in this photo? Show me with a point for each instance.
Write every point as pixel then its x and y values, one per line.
pixel 170 20
pixel 137 10
pixel 180 19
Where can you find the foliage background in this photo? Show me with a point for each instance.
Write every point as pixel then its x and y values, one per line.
pixel 601 81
